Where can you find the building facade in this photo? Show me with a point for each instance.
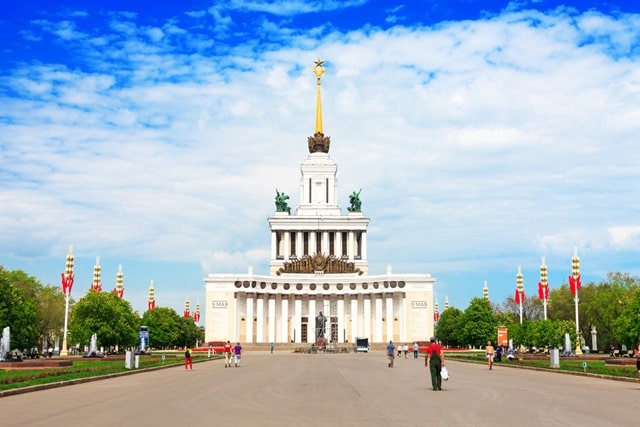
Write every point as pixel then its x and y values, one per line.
pixel 318 288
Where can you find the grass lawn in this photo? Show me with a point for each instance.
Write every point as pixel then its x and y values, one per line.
pixel 84 368
pixel 593 366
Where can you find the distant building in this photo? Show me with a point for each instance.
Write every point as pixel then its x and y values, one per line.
pixel 318 267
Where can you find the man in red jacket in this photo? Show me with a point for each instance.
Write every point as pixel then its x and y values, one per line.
pixel 434 358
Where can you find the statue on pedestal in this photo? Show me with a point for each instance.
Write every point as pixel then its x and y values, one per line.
pixel 321 322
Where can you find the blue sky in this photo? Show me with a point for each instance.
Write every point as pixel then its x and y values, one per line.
pixel 484 135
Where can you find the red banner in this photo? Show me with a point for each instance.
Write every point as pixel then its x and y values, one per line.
pixel 574 284
pixel 519 298
pixel 543 291
pixel 67 284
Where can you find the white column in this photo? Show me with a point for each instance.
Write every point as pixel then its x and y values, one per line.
pixel 377 331
pixel 274 245
pixel 354 317
pixel 297 319
pixel 403 320
pixel 236 319
pixel 325 242
pixel 287 245
pixel 338 244
pixel 299 245
pixel 340 306
pixel 272 318
pixel 284 319
pixel 249 318
pixel 366 315
pixel 311 326
pixel 312 244
pixel 363 242
pixel 389 316
pixel 260 317
pixel 350 246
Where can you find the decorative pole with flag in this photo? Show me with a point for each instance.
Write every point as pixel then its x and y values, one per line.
pixel 151 303
pixel 119 290
pixel 485 291
pixel 446 303
pixel 519 297
pixel 436 313
pixel 196 314
pixel 187 312
pixel 67 284
pixel 575 285
pixel 97 277
pixel 543 287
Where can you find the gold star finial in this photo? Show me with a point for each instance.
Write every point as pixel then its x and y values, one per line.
pixel 318 70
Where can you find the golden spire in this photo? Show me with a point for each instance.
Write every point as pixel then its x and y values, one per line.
pixel 318 143
pixel 318 70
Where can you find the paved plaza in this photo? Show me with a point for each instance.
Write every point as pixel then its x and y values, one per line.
pixel 287 389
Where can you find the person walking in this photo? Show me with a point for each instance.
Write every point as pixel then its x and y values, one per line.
pixel 227 354
pixel 188 360
pixel 490 354
pixel 391 349
pixel 434 359
pixel 237 350
pixel 271 346
pixel 405 349
pixel 415 350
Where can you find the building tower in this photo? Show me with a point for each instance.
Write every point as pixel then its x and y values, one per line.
pixel 318 268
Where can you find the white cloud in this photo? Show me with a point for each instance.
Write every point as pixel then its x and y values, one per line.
pixel 477 144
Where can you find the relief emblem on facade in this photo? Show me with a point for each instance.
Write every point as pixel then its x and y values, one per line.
pixel 319 263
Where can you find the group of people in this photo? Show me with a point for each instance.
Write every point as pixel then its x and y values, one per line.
pixel 232 354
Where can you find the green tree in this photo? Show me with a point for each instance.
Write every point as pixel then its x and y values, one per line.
pixel 447 329
pixel 190 334
pixel 607 305
pixel 532 308
pixel 478 323
pixel 164 327
pixel 18 308
pixel 627 326
pixel 106 315
pixel 50 312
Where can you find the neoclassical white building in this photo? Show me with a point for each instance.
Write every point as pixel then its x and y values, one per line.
pixel 318 265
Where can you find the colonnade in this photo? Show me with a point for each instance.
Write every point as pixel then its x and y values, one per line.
pixel 289 244
pixel 263 317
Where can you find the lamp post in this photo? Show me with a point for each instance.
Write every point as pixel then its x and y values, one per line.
pixel 67 284
pixel 543 287
pixel 485 291
pixel 519 297
pixel 574 285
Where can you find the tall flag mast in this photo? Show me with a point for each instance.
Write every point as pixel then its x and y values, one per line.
pixel 543 287
pixel 575 285
pixel 519 297
pixel 67 284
